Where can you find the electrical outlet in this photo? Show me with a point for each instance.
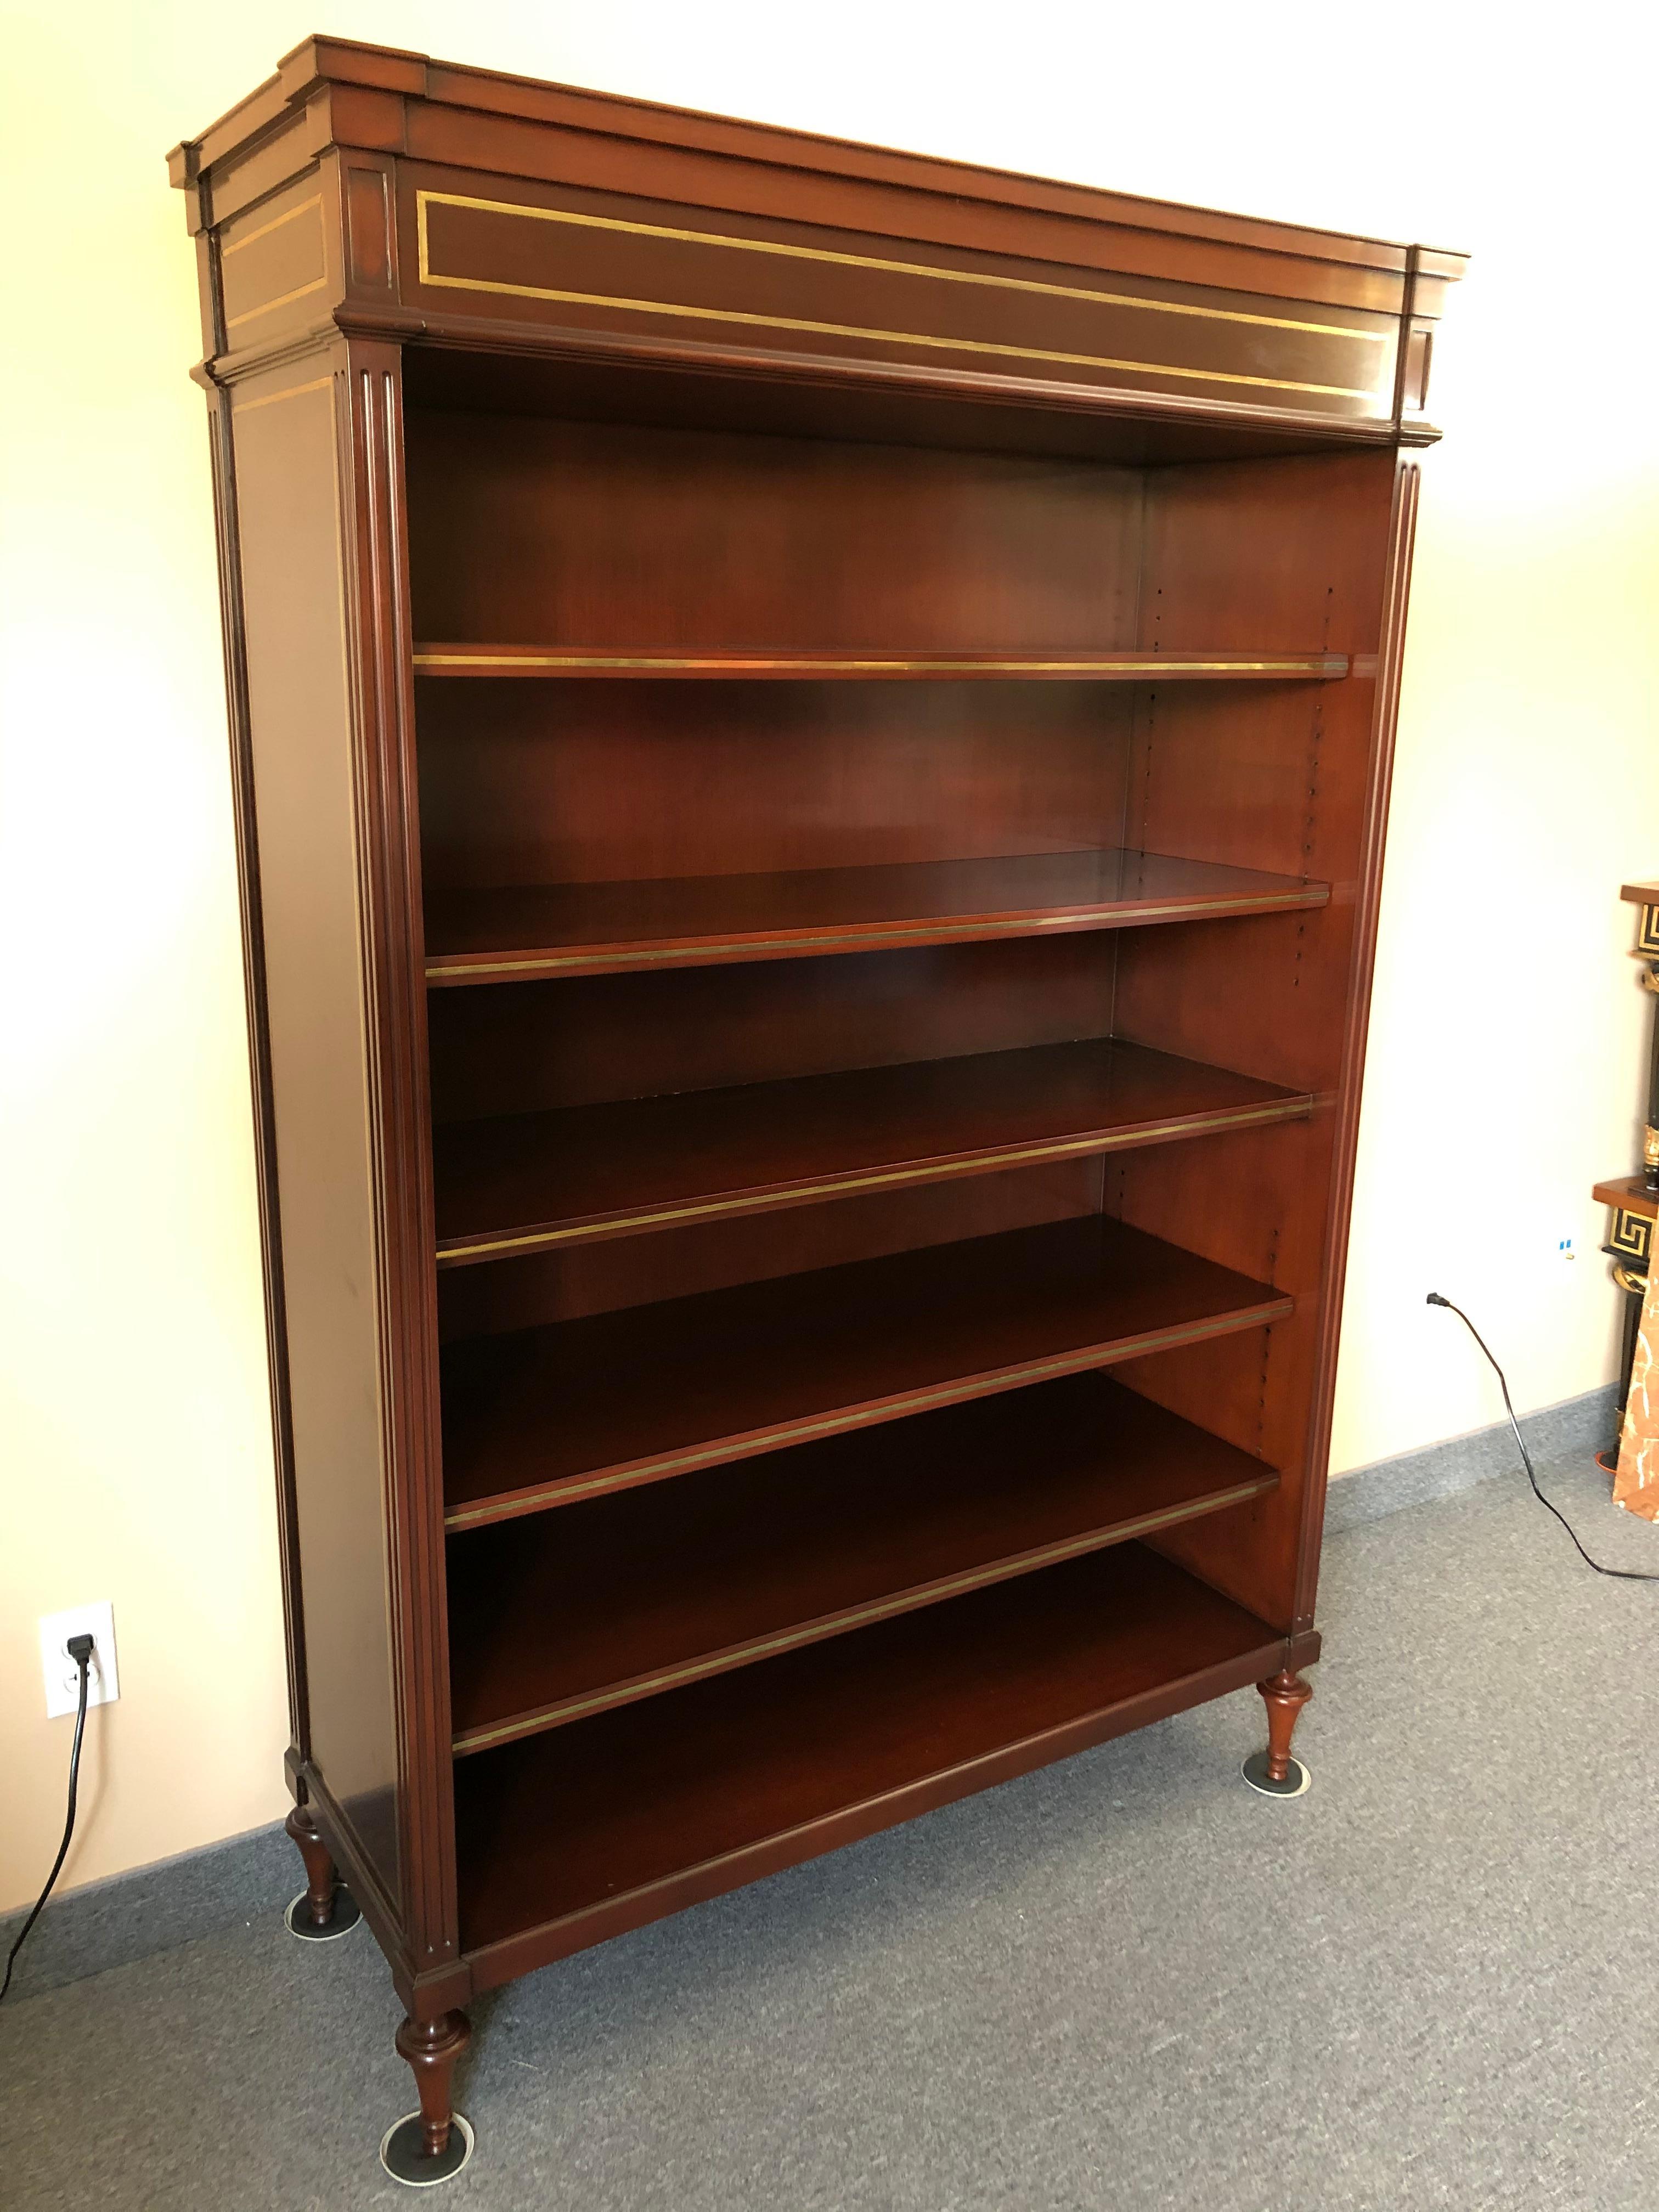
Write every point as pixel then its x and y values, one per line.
pixel 63 1675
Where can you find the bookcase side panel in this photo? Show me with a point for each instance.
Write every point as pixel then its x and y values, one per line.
pixel 286 447
pixel 1298 545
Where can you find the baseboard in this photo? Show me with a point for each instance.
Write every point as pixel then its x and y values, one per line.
pixel 1577 1428
pixel 156 1908
pixel 153 1908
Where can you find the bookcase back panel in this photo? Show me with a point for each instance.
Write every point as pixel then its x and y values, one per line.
pixel 757 1248
pixel 522 1047
pixel 526 531
pixel 535 782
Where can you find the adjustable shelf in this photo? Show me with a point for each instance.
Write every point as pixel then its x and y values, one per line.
pixel 526 1182
pixel 738 666
pixel 544 1417
pixel 726 1568
pixel 558 1844
pixel 610 928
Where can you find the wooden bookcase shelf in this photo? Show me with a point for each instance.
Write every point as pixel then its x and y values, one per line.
pixel 543 1416
pixel 741 667
pixel 758 1768
pixel 810 742
pixel 520 1183
pixel 492 934
pixel 749 1561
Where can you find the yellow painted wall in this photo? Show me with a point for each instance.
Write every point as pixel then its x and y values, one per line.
pixel 1508 1030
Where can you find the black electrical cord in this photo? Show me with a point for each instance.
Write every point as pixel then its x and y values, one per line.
pixel 80 1650
pixel 1621 1574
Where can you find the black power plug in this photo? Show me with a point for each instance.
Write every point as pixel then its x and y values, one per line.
pixel 80 1648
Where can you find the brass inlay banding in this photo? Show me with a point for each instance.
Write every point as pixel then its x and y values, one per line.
pixel 425 199
pixel 891 1409
pixel 251 314
pixel 836 1624
pixel 1101 917
pixel 241 406
pixel 1286 1109
pixel 1317 666
pixel 276 223
pixel 285 299
pixel 870 261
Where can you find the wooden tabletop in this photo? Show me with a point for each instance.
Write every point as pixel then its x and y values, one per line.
pixel 1630 1192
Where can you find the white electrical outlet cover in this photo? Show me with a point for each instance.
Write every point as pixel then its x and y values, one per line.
pixel 63 1677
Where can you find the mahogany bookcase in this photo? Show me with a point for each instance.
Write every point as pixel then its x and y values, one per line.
pixel 811 733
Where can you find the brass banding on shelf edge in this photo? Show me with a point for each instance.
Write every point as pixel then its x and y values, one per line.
pixel 836 1624
pixel 1116 916
pixel 630 305
pixel 454 1250
pixel 891 1409
pixel 429 660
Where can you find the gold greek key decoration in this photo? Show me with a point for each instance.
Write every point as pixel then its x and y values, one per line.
pixel 1647 935
pixel 1633 1235
pixel 971 287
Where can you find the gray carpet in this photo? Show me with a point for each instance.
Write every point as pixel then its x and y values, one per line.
pixel 1125 1983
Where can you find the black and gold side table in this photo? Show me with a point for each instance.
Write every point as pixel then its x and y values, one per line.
pixel 1634 1201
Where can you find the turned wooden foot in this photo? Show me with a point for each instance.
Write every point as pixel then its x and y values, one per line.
pixel 1286 1694
pixel 301 1825
pixel 432 2046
